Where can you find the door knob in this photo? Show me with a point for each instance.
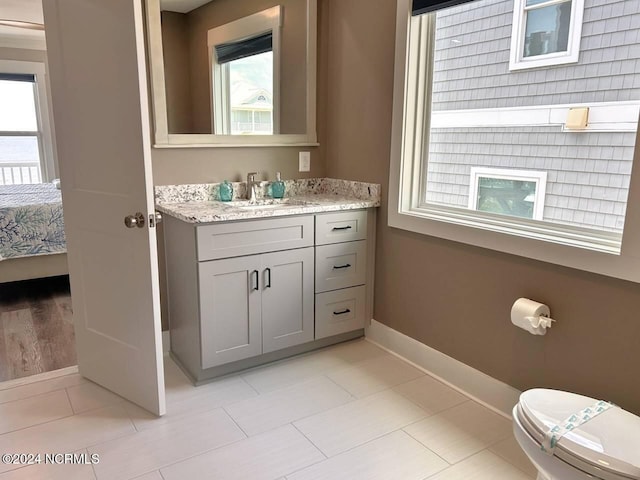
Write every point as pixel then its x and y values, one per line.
pixel 136 220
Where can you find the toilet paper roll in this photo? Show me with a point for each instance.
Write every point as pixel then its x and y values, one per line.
pixel 526 314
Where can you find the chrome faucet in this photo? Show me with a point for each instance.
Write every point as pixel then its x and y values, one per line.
pixel 251 186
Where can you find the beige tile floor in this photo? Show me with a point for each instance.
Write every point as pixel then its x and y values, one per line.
pixel 351 411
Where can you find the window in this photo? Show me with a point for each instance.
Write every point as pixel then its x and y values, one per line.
pixel 26 154
pixel 490 157
pixel 245 59
pixel 545 33
pixel 518 193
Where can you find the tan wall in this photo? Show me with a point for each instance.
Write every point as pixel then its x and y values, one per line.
pixel 175 46
pixel 22 54
pixel 220 12
pixel 173 166
pixel 453 297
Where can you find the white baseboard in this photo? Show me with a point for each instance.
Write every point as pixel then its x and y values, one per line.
pixel 488 391
pixel 166 342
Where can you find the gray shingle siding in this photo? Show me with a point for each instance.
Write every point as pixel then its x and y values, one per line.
pixel 475 73
pixel 587 173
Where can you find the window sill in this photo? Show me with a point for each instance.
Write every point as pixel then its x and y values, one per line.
pixel 598 253
pixel 543 61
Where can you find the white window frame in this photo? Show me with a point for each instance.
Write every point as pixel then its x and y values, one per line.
pixel 611 254
pixel 269 20
pixel 43 114
pixel 539 178
pixel 517 60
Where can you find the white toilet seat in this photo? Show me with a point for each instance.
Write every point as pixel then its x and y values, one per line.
pixel 607 448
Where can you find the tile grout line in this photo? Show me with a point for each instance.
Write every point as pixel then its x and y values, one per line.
pixel 471 454
pixel 310 354
pixel 351 400
pixel 241 377
pixel 432 451
pixel 37 424
pixel 70 402
pixel 93 467
pixel 31 396
pixel 355 447
pixel 194 455
pixel 310 441
pixel 235 422
pixel 504 457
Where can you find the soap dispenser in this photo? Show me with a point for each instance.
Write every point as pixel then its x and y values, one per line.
pixel 277 187
pixel 226 191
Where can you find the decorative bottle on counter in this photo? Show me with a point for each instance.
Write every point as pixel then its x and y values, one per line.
pixel 277 187
pixel 226 191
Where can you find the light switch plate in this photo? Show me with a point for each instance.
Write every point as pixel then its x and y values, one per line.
pixel 304 162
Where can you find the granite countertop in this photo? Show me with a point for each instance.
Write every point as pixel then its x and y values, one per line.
pixel 199 204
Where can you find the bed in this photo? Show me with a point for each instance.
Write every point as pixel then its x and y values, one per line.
pixel 32 240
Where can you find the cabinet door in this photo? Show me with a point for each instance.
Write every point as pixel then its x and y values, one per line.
pixel 287 298
pixel 230 310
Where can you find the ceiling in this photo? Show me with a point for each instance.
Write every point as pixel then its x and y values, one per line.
pixel 181 6
pixel 31 11
pixel 24 10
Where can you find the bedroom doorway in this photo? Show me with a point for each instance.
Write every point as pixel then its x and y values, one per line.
pixel 36 327
pixel 36 333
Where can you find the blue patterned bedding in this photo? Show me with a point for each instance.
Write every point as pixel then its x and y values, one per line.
pixel 31 221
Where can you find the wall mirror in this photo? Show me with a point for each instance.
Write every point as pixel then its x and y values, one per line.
pixel 233 72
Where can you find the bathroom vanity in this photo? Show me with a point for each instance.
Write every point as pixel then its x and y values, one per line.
pixel 253 282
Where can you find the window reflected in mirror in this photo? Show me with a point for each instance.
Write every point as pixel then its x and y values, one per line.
pixel 251 95
pixel 245 92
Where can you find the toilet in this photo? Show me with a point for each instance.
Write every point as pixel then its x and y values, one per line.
pixel 606 447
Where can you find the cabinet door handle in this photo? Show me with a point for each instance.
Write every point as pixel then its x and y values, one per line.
pixel 341 228
pixel 346 265
pixel 346 310
pixel 256 273
pixel 268 285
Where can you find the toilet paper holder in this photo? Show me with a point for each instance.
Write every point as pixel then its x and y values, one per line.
pixel 531 316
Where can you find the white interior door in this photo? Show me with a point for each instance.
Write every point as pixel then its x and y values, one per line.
pixel 96 57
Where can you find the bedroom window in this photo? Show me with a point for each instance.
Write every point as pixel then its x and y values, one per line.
pixel 489 157
pixel 245 65
pixel 545 33
pixel 26 154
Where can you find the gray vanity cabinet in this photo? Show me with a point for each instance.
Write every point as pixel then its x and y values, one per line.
pixel 248 292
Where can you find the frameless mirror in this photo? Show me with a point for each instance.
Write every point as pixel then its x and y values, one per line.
pixel 233 72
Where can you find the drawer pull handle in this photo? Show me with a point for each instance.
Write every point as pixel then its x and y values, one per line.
pixel 346 310
pixel 342 228
pixel 268 285
pixel 256 273
pixel 347 265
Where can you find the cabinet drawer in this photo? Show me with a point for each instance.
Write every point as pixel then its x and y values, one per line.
pixel 255 236
pixel 341 265
pixel 341 227
pixel 340 311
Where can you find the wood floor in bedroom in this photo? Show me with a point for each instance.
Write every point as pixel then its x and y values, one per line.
pixel 36 329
